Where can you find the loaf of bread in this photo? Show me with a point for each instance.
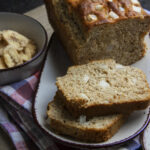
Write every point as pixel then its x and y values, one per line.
pixel 103 88
pixel 97 129
pixel 100 29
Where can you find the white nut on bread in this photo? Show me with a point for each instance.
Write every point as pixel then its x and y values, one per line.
pixel 82 95
pixel 99 7
pixel 86 78
pixel 137 9
pixel 104 84
pixel 113 15
pixel 135 1
pixel 121 9
pixel 103 66
pixel 92 18
pixel 106 102
pixel 118 66
pixel 134 81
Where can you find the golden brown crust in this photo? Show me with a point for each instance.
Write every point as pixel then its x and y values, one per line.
pixel 101 11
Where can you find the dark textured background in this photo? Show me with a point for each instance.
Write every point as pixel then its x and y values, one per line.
pixel 21 6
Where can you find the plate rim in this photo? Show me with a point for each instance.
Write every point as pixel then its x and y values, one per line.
pixel 72 143
pixel 142 137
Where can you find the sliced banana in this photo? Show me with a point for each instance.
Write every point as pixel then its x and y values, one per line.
pixel 11 56
pixel 15 39
pixel 28 52
pixel 15 49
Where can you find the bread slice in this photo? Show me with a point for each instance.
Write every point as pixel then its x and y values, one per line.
pixel 97 129
pixel 100 29
pixel 102 88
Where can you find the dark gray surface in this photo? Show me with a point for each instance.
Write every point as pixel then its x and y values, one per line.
pixel 21 6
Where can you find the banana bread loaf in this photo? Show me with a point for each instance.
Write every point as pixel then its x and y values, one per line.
pixel 100 29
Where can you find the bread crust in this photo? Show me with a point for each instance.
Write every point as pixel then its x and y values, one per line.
pixel 82 8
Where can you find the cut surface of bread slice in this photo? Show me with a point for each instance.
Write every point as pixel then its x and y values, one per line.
pixel 102 88
pixel 97 129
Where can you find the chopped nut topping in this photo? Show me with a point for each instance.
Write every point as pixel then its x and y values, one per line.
pixel 137 9
pixel 92 18
pixel 113 15
pixel 121 9
pixel 135 1
pixel 99 7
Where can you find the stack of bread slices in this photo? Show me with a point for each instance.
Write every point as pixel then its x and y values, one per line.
pixel 93 100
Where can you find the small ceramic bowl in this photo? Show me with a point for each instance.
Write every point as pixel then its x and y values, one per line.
pixel 31 29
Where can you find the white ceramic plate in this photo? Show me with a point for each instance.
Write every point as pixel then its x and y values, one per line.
pixel 56 65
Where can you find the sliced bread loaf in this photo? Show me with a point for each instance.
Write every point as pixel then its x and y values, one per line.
pixel 102 88
pixel 100 29
pixel 97 129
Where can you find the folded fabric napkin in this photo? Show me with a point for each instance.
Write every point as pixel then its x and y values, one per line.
pixel 17 121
